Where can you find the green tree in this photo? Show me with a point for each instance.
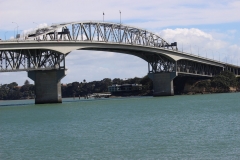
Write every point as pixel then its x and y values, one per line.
pixel 224 81
pixel 26 82
pixel 238 83
pixel 116 81
pixel 12 85
pixel 146 83
pixel 232 80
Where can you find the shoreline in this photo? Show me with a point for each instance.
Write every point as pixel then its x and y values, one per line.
pixel 82 98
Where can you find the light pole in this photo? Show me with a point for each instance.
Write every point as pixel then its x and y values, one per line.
pixel 120 17
pixel 180 42
pixel 182 46
pixel 103 16
pixel 17 28
pixel 5 35
pixel 14 36
pixel 198 49
pixel 190 48
pixel 20 33
pixel 212 54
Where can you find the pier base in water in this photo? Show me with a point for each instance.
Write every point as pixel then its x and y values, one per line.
pixel 163 83
pixel 47 85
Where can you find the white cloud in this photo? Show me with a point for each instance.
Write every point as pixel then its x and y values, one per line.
pixel 202 43
pixel 189 39
pixel 233 31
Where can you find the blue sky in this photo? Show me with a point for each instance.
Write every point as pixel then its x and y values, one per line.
pixel 211 28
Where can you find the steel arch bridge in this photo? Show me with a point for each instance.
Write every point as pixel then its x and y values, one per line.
pixel 46 49
pixel 42 54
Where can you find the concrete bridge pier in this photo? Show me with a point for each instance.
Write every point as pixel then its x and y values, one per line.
pixel 163 83
pixel 47 85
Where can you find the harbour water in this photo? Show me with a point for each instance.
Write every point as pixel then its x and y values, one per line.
pixel 176 127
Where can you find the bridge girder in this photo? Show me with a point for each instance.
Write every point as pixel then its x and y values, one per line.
pixel 30 59
pixel 42 59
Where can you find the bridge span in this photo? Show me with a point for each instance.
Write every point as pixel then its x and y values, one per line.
pixel 42 54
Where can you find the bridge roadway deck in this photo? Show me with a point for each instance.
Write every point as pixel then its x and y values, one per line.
pixel 66 47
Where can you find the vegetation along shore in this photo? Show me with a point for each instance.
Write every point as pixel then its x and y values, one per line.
pixel 222 83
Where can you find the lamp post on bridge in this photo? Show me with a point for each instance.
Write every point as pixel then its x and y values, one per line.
pixel 20 33
pixel 120 17
pixel 191 48
pixel 198 49
pixel 206 52
pixel 189 45
pixel 14 29
pixel 14 36
pixel 120 28
pixel 182 45
pixel 212 54
pixel 103 16
pixel 5 35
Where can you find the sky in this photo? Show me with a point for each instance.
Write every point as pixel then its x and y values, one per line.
pixel 201 27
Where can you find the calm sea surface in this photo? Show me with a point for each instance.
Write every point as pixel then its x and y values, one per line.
pixel 177 127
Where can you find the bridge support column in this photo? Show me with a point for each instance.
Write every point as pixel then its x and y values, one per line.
pixel 47 85
pixel 163 83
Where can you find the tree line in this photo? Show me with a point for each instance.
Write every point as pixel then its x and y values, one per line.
pixel 220 83
pixel 12 91
pixel 85 88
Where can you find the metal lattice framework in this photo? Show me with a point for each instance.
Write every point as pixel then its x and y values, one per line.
pixel 191 67
pixel 158 63
pixel 234 70
pixel 32 59
pixel 101 32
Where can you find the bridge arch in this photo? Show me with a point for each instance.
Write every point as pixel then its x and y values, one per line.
pixel 101 32
pixel 105 36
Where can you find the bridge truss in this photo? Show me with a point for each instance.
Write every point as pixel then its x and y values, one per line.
pixel 40 59
pixel 101 32
pixel 30 59
pixel 159 64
